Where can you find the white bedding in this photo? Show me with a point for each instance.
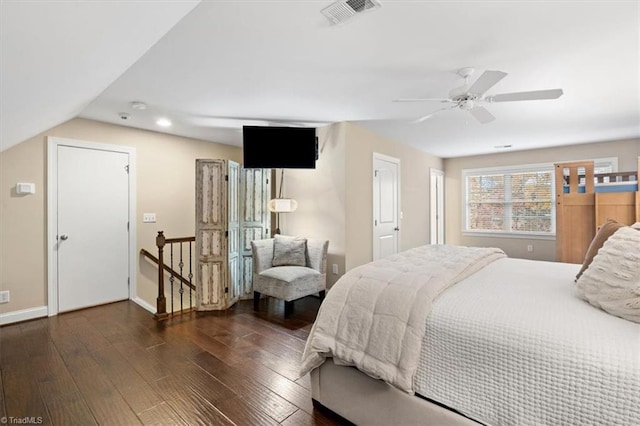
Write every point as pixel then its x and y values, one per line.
pixel 374 316
pixel 514 345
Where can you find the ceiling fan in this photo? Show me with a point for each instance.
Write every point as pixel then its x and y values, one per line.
pixel 471 98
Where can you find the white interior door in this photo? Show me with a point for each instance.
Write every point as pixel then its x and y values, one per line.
pixel 386 205
pixel 92 229
pixel 437 206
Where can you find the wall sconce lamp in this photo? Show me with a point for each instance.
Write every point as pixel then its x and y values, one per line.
pixel 281 205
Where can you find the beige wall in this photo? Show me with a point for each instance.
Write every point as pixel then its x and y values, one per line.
pixel 339 193
pixel 321 198
pixel 165 185
pixel 627 152
pixel 23 226
pixel 414 192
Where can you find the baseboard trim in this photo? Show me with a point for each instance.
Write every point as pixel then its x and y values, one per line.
pixel 144 305
pixel 23 315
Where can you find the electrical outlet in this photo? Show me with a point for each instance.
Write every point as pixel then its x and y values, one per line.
pixel 149 218
pixel 4 296
pixel 334 267
pixel 530 248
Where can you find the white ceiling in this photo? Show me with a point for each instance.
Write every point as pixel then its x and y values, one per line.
pixel 283 61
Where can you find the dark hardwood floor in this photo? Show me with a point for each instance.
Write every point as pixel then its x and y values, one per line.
pixel 115 365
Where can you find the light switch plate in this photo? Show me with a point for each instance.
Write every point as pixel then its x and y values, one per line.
pixel 148 217
pixel 25 188
pixel 335 269
pixel 4 296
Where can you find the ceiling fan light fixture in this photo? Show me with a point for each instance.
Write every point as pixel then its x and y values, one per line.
pixel 467 104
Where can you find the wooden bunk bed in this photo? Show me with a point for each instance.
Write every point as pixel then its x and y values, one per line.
pixel 584 201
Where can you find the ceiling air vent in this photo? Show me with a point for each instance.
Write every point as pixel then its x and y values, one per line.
pixel 342 10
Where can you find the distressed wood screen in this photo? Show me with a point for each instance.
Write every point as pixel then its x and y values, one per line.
pixel 233 200
pixel 231 210
pixel 211 229
pixel 255 192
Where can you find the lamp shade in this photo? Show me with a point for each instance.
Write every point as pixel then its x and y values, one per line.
pixel 282 205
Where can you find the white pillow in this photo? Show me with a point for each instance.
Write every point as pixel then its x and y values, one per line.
pixel 636 225
pixel 612 281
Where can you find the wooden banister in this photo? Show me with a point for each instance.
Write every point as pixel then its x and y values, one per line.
pixel 154 259
pixel 179 240
pixel 161 301
pixel 175 245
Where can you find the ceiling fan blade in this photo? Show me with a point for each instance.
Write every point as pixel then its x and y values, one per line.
pixel 422 100
pixel 526 96
pixel 482 114
pixel 486 81
pixel 426 117
pixel 423 118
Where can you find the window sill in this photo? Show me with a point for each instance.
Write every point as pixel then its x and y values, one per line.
pixel 480 234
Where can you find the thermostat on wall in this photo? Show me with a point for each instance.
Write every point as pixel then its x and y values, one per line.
pixel 26 188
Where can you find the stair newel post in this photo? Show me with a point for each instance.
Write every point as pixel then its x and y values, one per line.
pixel 161 301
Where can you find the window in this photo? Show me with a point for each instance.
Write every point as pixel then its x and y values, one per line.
pixel 516 201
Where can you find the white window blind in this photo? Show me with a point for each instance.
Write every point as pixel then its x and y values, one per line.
pixel 510 201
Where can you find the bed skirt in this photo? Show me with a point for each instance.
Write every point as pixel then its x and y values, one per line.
pixel 367 401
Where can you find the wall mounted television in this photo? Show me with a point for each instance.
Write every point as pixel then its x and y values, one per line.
pixel 279 147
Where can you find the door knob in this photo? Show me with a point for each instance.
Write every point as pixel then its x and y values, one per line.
pixel 396 229
pixel 64 237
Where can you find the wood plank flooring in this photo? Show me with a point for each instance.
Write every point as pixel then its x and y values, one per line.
pixel 115 365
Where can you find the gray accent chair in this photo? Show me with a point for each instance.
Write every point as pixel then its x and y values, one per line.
pixel 288 282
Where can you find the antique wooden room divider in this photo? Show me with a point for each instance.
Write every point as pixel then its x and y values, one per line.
pixel 231 210
pixel 255 220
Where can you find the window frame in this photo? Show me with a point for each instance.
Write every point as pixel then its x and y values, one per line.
pixel 597 162
pixel 506 170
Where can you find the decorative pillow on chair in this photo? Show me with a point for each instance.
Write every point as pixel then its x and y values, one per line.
pixel 605 231
pixel 289 251
pixel 612 281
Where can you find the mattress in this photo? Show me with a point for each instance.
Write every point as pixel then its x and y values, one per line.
pixel 514 345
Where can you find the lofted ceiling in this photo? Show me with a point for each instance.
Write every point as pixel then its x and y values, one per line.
pixel 211 66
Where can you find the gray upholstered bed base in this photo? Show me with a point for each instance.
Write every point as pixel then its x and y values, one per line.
pixel 367 401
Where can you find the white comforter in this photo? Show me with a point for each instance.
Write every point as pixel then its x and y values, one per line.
pixel 514 345
pixel 374 316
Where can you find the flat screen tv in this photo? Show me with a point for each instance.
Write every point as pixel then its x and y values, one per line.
pixel 279 147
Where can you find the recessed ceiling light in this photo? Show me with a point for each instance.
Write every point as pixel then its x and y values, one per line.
pixel 138 105
pixel 163 122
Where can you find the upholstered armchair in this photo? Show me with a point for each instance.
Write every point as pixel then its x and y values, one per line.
pixel 288 268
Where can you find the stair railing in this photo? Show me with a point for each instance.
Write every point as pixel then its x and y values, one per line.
pixel 177 250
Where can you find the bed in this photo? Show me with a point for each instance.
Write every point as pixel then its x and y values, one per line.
pixel 586 200
pixel 509 342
